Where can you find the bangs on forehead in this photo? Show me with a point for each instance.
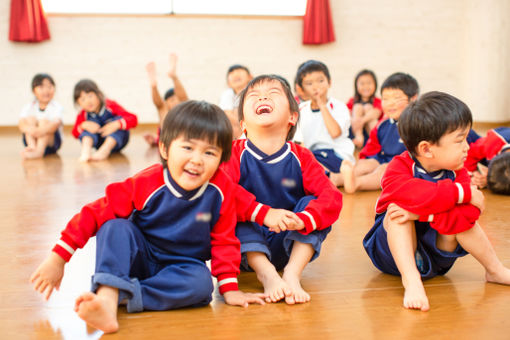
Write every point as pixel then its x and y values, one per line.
pixel 263 80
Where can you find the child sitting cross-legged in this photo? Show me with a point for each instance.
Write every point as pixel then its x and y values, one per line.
pixel 427 214
pixel 295 201
pixel 156 229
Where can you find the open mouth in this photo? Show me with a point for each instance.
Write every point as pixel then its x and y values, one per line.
pixel 192 172
pixel 264 108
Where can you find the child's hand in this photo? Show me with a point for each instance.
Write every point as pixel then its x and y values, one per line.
pixel 48 275
pixel 90 126
pixel 151 72
pixel 477 198
pixel 278 220
pixel 479 178
pixel 109 128
pixel 172 71
pixel 239 298
pixel 399 214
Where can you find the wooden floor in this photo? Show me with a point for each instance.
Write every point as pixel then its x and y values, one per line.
pixel 350 298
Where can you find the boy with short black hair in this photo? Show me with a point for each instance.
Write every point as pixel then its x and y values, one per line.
pixel 295 202
pixel 324 121
pixel 427 212
pixel 384 143
pixel 156 229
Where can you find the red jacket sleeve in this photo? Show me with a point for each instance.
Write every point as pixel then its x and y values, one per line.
pixel 128 121
pixel 486 147
pixel 247 207
pixel 372 147
pixel 120 200
pixel 323 211
pixel 461 218
pixel 419 196
pixel 350 104
pixel 225 247
pixel 80 118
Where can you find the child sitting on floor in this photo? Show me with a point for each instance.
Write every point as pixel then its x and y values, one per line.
pixel 156 229
pixel 427 214
pixel 41 120
pixel 365 107
pixel 283 176
pixel 384 143
pixel 492 150
pixel 102 123
pixel 324 121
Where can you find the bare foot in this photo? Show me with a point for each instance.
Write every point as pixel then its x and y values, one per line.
pixel 97 312
pixel 300 295
pixel 29 153
pixel 150 139
pixel 336 178
pixel 275 288
pixel 100 155
pixel 502 276
pixel 85 156
pixel 415 297
pixel 347 171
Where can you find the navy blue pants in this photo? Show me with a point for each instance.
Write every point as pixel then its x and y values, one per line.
pixel 57 142
pixel 148 281
pixel 430 260
pixel 120 136
pixel 277 246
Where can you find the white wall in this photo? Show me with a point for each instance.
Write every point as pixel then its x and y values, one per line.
pixel 457 46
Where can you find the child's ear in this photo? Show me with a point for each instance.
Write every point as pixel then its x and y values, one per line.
pixel 413 98
pixel 293 118
pixel 163 151
pixel 424 149
pixel 243 127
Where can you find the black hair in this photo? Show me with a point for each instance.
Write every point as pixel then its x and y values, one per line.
pixel 87 85
pixel 430 117
pixel 293 105
pixel 169 93
pixel 357 96
pixel 498 175
pixel 309 67
pixel 234 67
pixel 38 79
pixel 198 120
pixel 402 81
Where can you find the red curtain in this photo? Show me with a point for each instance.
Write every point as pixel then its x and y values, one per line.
pixel 28 22
pixel 317 23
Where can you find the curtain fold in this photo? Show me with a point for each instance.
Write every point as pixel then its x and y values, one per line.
pixel 317 23
pixel 28 21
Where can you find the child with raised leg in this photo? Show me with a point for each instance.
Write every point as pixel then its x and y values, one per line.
pixel 427 212
pixel 156 230
pixel 295 201
pixel 172 97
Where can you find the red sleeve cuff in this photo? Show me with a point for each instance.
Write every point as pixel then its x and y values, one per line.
pixel 426 218
pixel 463 193
pixel 259 214
pixel 227 282
pixel 309 221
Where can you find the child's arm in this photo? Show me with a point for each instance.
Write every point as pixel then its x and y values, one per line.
pixel 179 90
pixel 332 125
pixel 420 196
pixel 156 97
pixel 77 129
pixel 278 220
pixel 323 211
pixel 48 275
pixel 128 121
pixel 372 147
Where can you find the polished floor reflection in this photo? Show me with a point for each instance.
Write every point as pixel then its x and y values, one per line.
pixel 350 298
